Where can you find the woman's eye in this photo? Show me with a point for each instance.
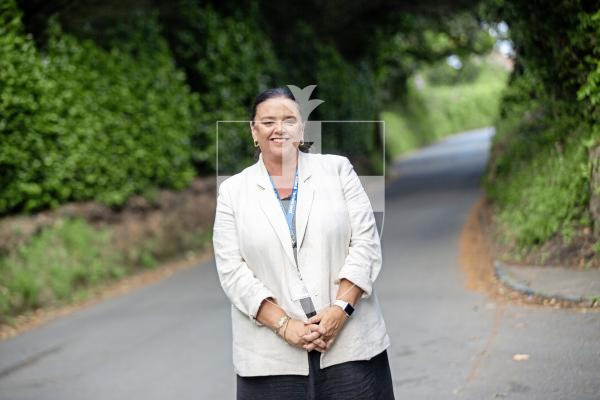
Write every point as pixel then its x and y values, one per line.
pixel 268 123
pixel 290 122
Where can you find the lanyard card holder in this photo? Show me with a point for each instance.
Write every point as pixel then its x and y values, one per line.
pixel 298 289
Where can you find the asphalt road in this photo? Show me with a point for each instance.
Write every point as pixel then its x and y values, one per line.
pixel 172 340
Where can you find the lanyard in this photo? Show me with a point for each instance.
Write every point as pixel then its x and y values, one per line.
pixel 306 302
pixel 289 214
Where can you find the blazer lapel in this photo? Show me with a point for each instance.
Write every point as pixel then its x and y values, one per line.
pixel 305 195
pixel 272 209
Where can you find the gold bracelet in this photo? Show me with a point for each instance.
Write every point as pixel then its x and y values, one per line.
pixel 284 329
pixel 280 323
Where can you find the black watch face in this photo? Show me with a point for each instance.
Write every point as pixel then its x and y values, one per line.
pixel 349 309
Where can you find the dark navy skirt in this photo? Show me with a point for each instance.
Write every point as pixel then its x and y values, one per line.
pixel 360 380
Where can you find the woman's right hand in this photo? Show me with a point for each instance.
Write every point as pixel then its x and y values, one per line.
pixel 297 334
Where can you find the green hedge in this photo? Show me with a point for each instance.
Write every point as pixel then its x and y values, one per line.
pixel 79 122
pixel 228 60
pixel 136 107
pixel 435 110
pixel 539 173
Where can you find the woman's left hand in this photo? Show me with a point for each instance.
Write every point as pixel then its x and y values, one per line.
pixel 331 320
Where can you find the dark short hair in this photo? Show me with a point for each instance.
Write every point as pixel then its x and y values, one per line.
pixel 273 93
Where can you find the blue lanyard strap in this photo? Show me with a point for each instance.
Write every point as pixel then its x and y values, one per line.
pixel 289 214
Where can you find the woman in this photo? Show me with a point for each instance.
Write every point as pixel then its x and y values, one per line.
pixel 297 252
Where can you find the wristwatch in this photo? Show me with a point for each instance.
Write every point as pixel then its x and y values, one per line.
pixel 347 307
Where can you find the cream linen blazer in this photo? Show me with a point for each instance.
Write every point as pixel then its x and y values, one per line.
pixel 337 238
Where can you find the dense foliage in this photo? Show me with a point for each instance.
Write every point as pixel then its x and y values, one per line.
pixel 228 60
pixel 539 176
pixel 442 100
pixel 80 122
pixel 108 99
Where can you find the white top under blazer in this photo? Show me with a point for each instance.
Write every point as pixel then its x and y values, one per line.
pixel 337 238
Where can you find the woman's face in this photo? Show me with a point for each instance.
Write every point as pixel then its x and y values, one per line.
pixel 278 127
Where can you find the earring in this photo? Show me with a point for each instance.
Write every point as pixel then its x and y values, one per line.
pixel 255 143
pixel 301 141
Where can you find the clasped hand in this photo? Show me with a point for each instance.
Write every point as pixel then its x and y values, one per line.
pixel 318 332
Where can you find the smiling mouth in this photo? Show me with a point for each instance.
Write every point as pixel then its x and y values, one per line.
pixel 279 139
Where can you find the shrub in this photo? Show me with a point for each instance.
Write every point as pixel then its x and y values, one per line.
pixel 84 123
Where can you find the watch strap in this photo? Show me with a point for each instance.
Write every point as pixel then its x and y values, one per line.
pixel 345 306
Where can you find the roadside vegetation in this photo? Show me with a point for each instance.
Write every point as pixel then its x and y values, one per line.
pixel 541 179
pixel 443 100
pixel 105 102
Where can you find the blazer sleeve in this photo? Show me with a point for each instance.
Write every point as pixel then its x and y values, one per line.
pixel 244 290
pixel 363 262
